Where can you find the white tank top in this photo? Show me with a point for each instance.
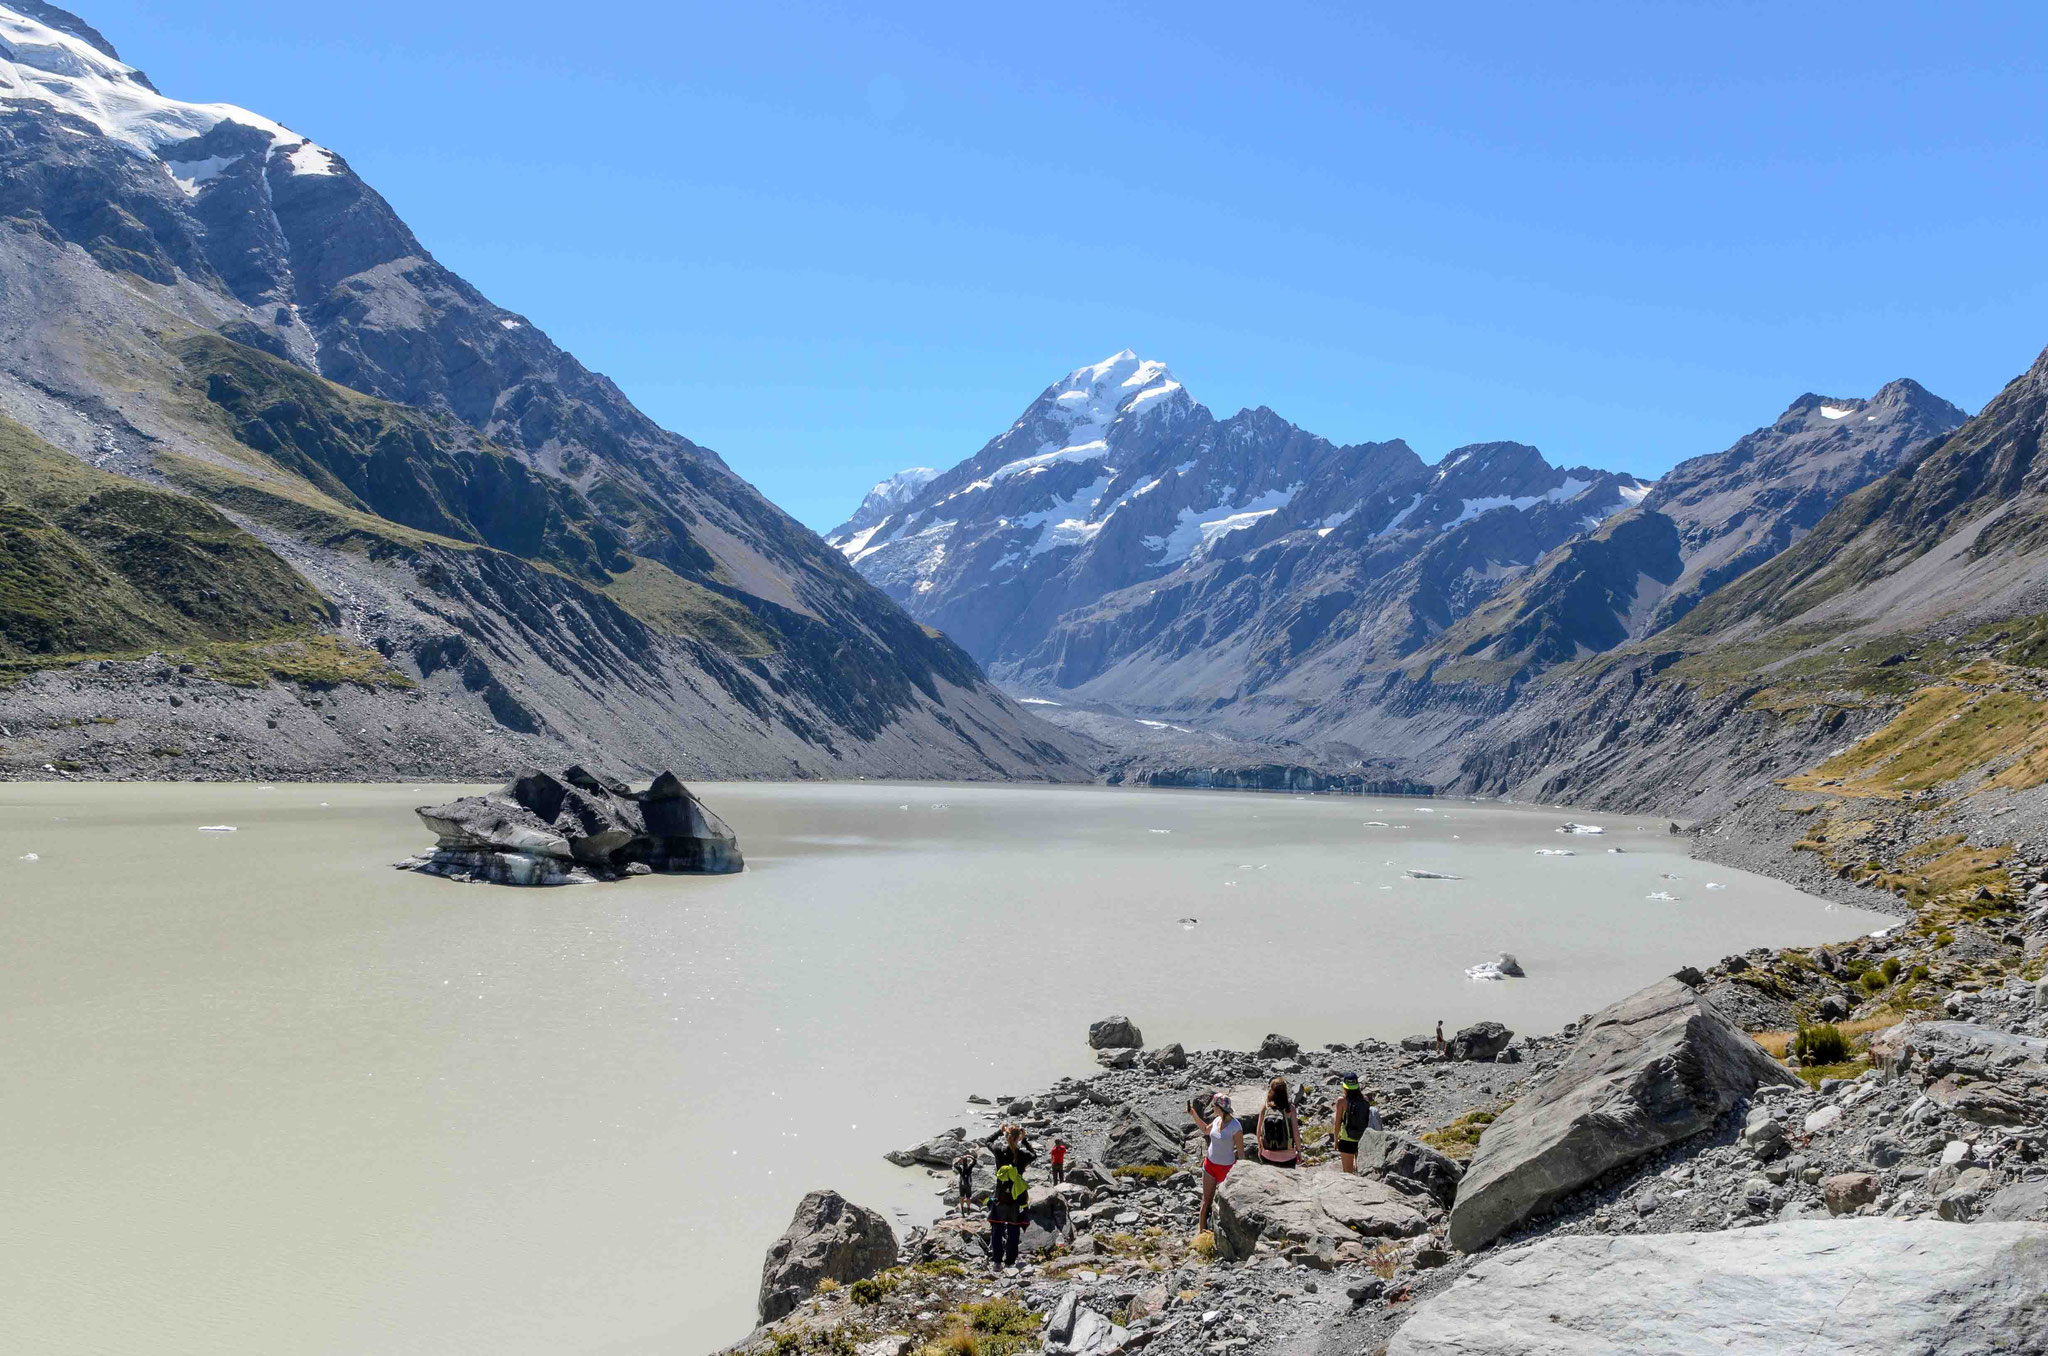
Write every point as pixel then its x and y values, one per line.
pixel 1222 1133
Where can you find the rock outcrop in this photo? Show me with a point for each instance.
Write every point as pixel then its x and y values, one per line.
pixel 1408 1165
pixel 829 1239
pixel 1115 1033
pixel 1987 1076
pixel 1307 1208
pixel 1657 1067
pixel 1136 1139
pixel 1850 1288
pixel 1482 1040
pixel 539 829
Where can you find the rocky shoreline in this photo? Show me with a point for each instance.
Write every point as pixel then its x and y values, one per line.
pixel 1924 1135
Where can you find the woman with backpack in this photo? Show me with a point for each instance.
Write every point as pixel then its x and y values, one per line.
pixel 1279 1128
pixel 1010 1197
pixel 1355 1115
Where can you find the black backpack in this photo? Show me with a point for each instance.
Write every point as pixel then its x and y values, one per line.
pixel 1357 1115
pixel 1273 1131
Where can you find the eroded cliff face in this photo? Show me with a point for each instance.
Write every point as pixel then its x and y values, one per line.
pixel 200 300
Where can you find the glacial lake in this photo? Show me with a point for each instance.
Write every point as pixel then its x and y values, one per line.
pixel 266 1094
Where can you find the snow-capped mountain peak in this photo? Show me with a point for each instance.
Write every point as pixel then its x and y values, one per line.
pixel 44 58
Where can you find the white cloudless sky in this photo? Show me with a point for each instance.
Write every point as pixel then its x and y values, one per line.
pixel 831 241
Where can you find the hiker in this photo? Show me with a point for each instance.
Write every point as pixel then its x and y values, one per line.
pixel 963 1167
pixel 1059 1160
pixel 1226 1142
pixel 1441 1048
pixel 1279 1128
pixel 1008 1201
pixel 1355 1114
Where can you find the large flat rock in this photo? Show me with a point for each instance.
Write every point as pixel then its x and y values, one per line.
pixel 1304 1205
pixel 1871 1287
pixel 1657 1067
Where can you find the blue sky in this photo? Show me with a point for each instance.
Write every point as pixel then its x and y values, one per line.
pixel 833 241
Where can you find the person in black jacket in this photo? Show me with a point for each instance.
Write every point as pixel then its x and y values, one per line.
pixel 1011 1197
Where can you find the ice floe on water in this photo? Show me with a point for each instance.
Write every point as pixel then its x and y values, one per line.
pixel 1159 830
pixel 30 857
pixel 1189 923
pixel 1661 894
pixel 1555 852
pixel 1414 873
pixel 1580 828
pixel 1504 967
pixel 216 828
pixel 1715 885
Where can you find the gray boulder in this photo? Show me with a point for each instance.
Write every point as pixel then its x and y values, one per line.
pixel 1657 1067
pixel 936 1152
pixel 1276 1046
pixel 1167 1058
pixel 1981 1074
pixel 1302 1206
pixel 1073 1329
pixel 1482 1040
pixel 1409 1165
pixel 829 1239
pixel 1869 1287
pixel 2017 1202
pixel 539 829
pixel 1115 1033
pixel 1135 1138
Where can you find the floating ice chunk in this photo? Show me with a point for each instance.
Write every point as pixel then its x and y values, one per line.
pixel 216 828
pixel 1580 828
pixel 1415 873
pixel 1159 830
pixel 1189 923
pixel 1375 823
pixel 30 857
pixel 1616 852
pixel 1715 885
pixel 1488 971
pixel 1555 852
pixel 1661 894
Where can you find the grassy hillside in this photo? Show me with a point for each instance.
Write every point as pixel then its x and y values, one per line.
pixel 93 563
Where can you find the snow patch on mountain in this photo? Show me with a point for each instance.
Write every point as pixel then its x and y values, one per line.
pixel 1060 525
pixel 1084 407
pixel 1571 488
pixel 1200 529
pixel 42 64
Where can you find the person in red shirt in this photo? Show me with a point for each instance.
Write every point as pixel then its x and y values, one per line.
pixel 1059 1161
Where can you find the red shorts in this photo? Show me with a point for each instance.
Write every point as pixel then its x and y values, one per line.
pixel 1217 1170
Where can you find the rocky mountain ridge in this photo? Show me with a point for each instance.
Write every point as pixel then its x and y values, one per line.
pixel 1119 539
pixel 199 300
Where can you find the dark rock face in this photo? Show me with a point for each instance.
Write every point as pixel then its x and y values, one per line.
pixel 1115 1033
pixel 1136 1139
pixel 1408 1164
pixel 1655 1068
pixel 829 1239
pixel 542 830
pixel 1482 1040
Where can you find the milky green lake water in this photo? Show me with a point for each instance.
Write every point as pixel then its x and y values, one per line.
pixel 267 1095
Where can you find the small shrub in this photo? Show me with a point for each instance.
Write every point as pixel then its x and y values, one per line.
pixel 1204 1245
pixel 826 1286
pixel 1891 968
pixel 873 1289
pixel 1150 1172
pixel 1823 1044
pixel 1873 981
